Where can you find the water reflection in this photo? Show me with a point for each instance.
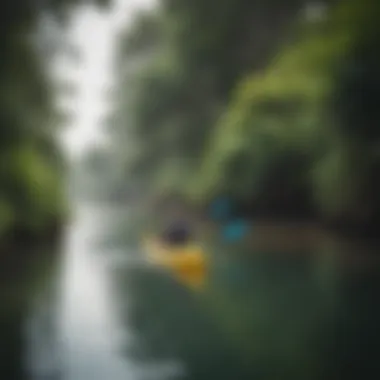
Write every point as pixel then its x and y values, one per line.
pixel 266 314
pixel 69 327
pixel 273 314
pixel 42 349
pixel 313 315
pixel 22 275
pixel 100 312
pixel 171 322
pixel 88 333
pixel 91 329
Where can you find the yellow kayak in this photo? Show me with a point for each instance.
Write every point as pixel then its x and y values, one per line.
pixel 186 262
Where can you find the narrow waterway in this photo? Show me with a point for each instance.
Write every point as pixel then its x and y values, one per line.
pixel 74 330
pixel 94 310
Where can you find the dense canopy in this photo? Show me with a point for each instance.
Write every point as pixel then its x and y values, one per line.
pixel 271 102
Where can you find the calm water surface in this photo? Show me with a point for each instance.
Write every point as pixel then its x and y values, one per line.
pixel 288 307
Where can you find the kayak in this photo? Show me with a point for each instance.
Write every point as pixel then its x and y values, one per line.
pixel 186 262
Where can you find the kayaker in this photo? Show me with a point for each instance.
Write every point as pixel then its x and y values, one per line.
pixel 178 232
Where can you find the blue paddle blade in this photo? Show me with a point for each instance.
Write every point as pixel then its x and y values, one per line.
pixel 235 231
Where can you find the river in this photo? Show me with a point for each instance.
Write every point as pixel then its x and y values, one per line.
pixel 281 310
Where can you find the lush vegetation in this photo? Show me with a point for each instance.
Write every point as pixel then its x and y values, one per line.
pixel 271 102
pixel 31 164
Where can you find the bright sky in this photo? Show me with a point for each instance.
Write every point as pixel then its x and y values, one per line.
pixel 94 32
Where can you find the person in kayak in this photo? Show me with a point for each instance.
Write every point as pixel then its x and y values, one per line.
pixel 177 233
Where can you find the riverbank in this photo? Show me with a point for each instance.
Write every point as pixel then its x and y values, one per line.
pixel 309 229
pixel 22 239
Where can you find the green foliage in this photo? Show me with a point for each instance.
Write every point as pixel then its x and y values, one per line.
pixel 192 54
pixel 145 34
pixel 6 216
pixel 286 128
pixel 36 190
pixel 31 163
pixel 273 117
pixel 253 100
pixel 341 179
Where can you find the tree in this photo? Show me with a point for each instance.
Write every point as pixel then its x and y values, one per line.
pixel 32 166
